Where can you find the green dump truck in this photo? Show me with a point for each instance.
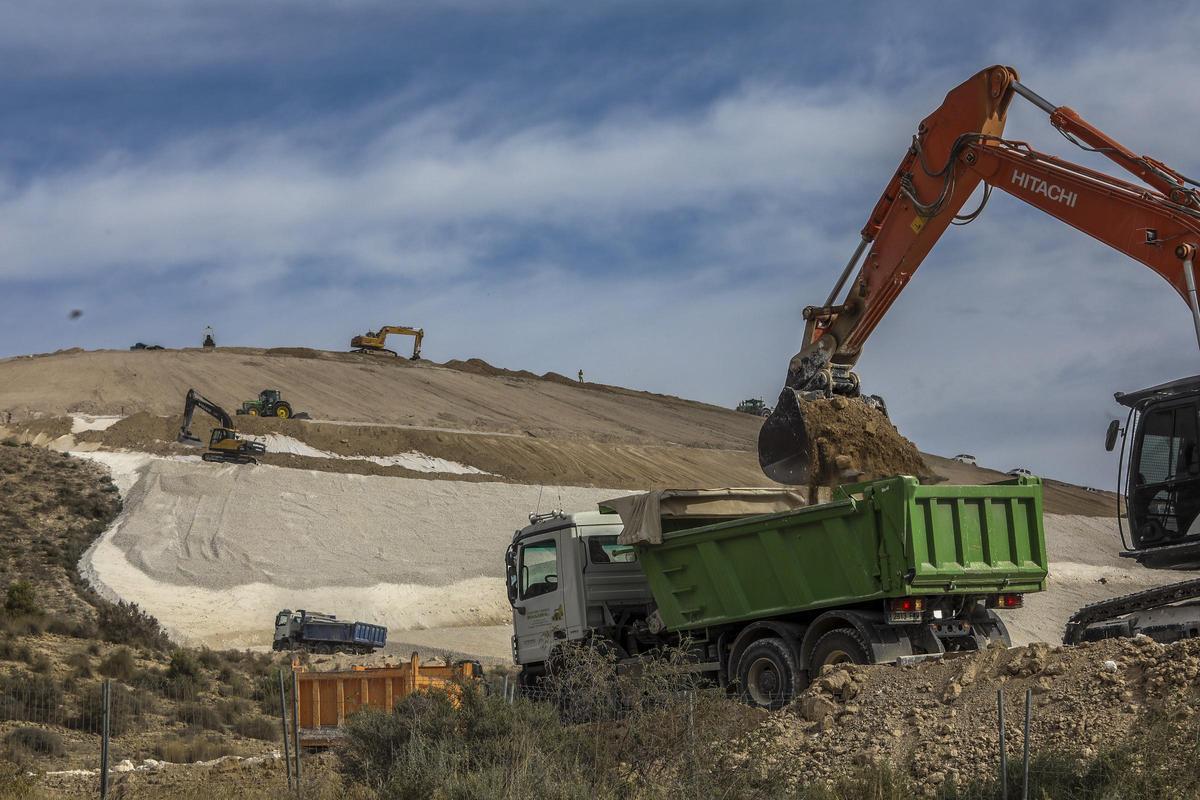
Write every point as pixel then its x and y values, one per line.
pixel 763 591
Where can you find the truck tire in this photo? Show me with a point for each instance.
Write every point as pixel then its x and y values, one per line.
pixel 839 646
pixel 768 673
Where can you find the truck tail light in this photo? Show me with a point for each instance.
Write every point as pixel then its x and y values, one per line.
pixel 901 610
pixel 1008 601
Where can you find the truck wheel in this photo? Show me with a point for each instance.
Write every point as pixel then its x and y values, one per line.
pixel 768 673
pixel 840 646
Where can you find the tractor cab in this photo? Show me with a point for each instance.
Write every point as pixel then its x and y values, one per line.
pixel 1162 474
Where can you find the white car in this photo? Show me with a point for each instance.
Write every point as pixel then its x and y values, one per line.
pixel 1019 472
pixel 964 458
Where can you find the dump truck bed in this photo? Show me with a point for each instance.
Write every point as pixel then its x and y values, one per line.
pixel 358 633
pixel 889 538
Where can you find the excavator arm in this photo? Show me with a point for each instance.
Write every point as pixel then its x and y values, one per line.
pixel 956 148
pixel 193 401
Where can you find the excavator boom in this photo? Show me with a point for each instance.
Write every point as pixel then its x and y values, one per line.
pixel 956 148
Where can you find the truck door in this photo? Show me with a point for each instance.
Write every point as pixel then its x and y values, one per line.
pixel 538 610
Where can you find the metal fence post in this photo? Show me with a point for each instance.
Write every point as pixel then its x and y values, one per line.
pixel 1028 713
pixel 105 715
pixel 287 754
pixel 296 726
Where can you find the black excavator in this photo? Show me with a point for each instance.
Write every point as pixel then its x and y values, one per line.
pixel 1155 222
pixel 225 444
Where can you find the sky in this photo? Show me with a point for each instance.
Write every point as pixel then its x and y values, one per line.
pixel 649 192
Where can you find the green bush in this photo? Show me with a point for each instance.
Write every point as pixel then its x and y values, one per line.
pixel 21 599
pixel 184 666
pixel 35 740
pixel 125 623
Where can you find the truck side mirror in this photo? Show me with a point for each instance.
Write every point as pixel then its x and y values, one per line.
pixel 1110 438
pixel 510 573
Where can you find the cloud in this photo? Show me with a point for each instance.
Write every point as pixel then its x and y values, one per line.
pixel 559 216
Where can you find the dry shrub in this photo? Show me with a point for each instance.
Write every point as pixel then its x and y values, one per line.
pixel 18 783
pixel 36 741
pixel 126 708
pixel 257 727
pixel 29 697
pixel 118 665
pixel 80 664
pixel 200 715
pixel 190 749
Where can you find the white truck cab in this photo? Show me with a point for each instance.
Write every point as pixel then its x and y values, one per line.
pixel 567 578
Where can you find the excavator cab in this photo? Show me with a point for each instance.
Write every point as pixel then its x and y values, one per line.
pixel 1162 474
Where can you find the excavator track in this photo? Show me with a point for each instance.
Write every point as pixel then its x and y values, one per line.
pixel 216 458
pixel 1116 607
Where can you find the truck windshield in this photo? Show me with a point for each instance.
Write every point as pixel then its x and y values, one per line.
pixel 605 550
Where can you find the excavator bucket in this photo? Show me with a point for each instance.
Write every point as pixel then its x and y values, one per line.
pixel 186 437
pixel 784 448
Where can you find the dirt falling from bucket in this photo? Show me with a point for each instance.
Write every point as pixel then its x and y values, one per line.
pixel 851 441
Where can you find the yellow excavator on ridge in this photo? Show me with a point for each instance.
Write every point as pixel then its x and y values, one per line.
pixel 375 341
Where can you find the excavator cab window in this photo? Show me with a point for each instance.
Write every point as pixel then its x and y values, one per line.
pixel 1164 496
pixel 219 435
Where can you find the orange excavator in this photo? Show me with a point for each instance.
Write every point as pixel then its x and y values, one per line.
pixel 1155 222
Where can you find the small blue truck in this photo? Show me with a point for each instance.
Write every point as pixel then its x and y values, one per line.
pixel 325 633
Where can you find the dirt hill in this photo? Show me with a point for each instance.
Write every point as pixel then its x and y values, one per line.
pixel 516 425
pixel 355 388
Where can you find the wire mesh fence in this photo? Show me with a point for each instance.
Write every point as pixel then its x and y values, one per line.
pixel 176 719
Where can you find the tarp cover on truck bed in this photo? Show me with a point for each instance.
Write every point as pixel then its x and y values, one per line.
pixel 643 515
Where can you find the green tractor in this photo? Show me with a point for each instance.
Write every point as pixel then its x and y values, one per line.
pixel 754 406
pixel 270 403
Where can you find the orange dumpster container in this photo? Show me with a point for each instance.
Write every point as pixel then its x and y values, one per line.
pixel 328 699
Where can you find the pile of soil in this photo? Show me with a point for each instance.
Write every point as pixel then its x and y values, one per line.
pixel 938 720
pixel 852 441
